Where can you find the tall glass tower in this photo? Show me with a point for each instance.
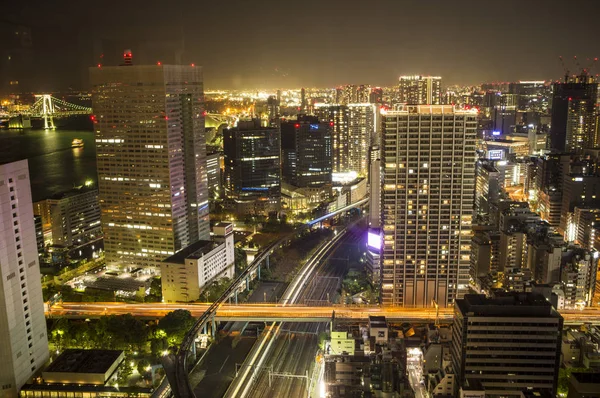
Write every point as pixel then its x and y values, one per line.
pixel 151 158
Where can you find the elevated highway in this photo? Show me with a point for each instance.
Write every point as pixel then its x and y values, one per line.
pixel 276 312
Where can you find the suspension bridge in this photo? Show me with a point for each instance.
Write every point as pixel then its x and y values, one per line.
pixel 47 108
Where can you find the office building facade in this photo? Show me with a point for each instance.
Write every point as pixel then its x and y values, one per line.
pixel 361 125
pixel 252 175
pixel 429 175
pixel 338 117
pixel 186 273
pixel 75 217
pixel 573 124
pixel 213 171
pixel 420 90
pixel 509 343
pixel 151 159
pixel 306 152
pixel 24 342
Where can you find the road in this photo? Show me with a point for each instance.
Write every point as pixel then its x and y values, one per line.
pixel 415 376
pixel 279 364
pixel 297 344
pixel 270 311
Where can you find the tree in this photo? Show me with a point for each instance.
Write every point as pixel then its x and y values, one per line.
pixel 142 365
pixel 176 324
pixel 563 379
pixel 125 372
pixel 60 333
pixel 155 294
pixel 240 259
pixel 79 335
pixel 215 290
pixel 156 287
pixel 158 346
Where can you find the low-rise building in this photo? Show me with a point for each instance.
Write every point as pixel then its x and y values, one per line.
pixel 83 373
pixel 584 385
pixel 185 273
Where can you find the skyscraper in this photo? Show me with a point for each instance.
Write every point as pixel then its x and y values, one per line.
pixel 509 343
pixel 573 123
pixel 361 126
pixel 252 175
pixel 75 216
pixel 429 175
pixel 306 152
pixel 151 158
pixel 339 116
pixel 417 90
pixel 24 343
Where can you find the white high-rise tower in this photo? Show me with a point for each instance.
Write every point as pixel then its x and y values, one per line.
pixel 23 341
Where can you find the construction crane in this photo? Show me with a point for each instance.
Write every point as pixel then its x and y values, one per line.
pixel 584 71
pixel 565 69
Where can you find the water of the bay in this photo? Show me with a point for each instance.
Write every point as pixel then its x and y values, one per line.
pixel 54 166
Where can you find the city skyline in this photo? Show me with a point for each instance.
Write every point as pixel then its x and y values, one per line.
pixel 419 216
pixel 237 50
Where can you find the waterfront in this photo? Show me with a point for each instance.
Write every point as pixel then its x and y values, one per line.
pixel 54 166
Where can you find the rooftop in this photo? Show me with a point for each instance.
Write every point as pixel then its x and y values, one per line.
pixel 377 321
pixel 193 251
pixel 587 377
pixel 431 109
pixel 508 304
pixel 84 361
pixel 74 192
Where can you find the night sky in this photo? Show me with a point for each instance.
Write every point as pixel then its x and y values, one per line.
pixel 268 44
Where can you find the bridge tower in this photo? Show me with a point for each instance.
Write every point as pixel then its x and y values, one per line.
pixel 48 111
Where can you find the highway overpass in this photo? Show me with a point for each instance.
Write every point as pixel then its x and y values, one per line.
pixel 277 312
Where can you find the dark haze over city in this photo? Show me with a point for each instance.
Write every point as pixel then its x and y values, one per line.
pixel 269 44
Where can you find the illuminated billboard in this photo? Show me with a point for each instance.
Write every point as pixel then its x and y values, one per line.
pixel 495 154
pixel 374 240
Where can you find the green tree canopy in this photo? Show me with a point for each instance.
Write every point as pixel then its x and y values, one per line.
pixel 176 324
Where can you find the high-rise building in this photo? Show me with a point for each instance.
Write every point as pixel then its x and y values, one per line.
pixel 548 184
pixel 252 176
pixel 151 158
pixel 24 343
pixel 213 171
pixel 361 126
pixel 579 190
pixel 375 187
pixel 429 176
pixel 339 116
pixel 376 95
pixel 573 125
pixel 354 131
pixel 417 90
pixel 578 276
pixel 75 216
pixel 509 343
pixel 306 152
pixel 532 95
pixel 374 235
pixel 487 187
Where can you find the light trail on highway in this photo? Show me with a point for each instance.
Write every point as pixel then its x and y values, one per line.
pixel 274 311
pixel 290 297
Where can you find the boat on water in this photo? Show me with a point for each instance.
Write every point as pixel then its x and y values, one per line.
pixel 77 143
